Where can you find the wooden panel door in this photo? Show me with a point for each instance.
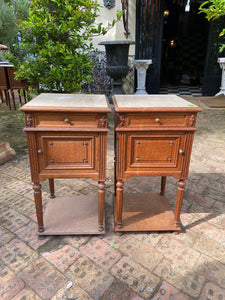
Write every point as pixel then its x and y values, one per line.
pixel 66 151
pixel 154 151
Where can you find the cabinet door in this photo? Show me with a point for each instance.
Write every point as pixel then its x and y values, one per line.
pixel 155 151
pixel 66 151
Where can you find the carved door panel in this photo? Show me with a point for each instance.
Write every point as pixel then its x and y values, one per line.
pixel 154 151
pixel 66 151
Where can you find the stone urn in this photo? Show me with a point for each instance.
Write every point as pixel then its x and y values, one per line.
pixel 221 61
pixel 117 63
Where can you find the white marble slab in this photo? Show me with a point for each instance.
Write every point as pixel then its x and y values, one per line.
pixel 142 101
pixel 68 100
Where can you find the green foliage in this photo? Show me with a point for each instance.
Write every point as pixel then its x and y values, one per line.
pixel 214 9
pixel 11 13
pixel 56 42
pixel 7 24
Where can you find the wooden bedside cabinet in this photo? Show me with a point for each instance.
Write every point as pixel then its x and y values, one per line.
pixel 154 136
pixel 67 137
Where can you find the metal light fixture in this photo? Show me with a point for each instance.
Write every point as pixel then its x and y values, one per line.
pixel 187 7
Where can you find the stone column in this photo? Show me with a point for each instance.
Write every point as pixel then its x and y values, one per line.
pixel 221 61
pixel 141 66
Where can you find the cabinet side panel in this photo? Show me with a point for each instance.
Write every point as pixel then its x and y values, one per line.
pixel 32 149
pixel 187 151
pixel 121 158
pixel 102 155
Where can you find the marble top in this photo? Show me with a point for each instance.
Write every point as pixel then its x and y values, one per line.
pixel 73 101
pixel 151 101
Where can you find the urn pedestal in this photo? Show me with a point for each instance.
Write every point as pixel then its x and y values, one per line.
pixel 221 61
pixel 141 66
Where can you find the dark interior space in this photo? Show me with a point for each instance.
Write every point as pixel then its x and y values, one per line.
pixel 184 44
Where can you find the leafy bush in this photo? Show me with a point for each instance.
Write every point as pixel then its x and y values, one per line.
pixel 56 43
pixel 214 9
pixel 11 13
pixel 7 24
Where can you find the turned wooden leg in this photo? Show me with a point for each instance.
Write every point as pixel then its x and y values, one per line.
pixel 179 200
pixel 119 204
pixel 7 97
pixel 1 96
pixel 51 188
pixel 19 96
pixel 13 99
pixel 101 205
pixel 25 96
pixel 38 204
pixel 163 185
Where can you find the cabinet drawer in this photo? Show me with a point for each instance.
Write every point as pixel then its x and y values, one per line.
pixel 154 151
pixel 66 152
pixel 157 119
pixel 66 120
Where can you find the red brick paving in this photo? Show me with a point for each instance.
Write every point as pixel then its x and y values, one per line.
pixel 135 266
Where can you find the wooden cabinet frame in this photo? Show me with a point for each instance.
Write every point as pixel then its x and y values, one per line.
pixel 68 140
pixel 151 140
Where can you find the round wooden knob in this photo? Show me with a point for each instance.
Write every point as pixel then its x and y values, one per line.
pixel 157 120
pixel 67 120
pixel 39 151
pixel 181 151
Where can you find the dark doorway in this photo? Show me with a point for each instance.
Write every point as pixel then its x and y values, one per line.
pixel 184 44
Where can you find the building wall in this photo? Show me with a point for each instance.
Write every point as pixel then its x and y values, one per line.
pixel 117 33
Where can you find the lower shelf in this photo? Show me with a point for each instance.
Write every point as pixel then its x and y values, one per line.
pixel 146 212
pixel 76 215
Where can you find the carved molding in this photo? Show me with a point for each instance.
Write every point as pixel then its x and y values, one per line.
pixel 29 120
pixel 121 120
pixel 102 121
pixel 191 120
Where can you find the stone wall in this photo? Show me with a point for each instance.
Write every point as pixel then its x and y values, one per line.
pixel 128 81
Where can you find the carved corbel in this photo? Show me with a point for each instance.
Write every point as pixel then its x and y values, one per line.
pixel 102 121
pixel 29 120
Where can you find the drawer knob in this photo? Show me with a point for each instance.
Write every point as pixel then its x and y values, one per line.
pixel 52 161
pixel 67 120
pixel 157 120
pixel 137 158
pixel 39 151
pixel 85 161
pixel 181 151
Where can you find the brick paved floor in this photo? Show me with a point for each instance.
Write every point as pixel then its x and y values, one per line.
pixel 135 266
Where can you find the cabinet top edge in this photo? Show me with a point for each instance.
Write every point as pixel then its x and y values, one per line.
pixel 149 103
pixel 68 102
